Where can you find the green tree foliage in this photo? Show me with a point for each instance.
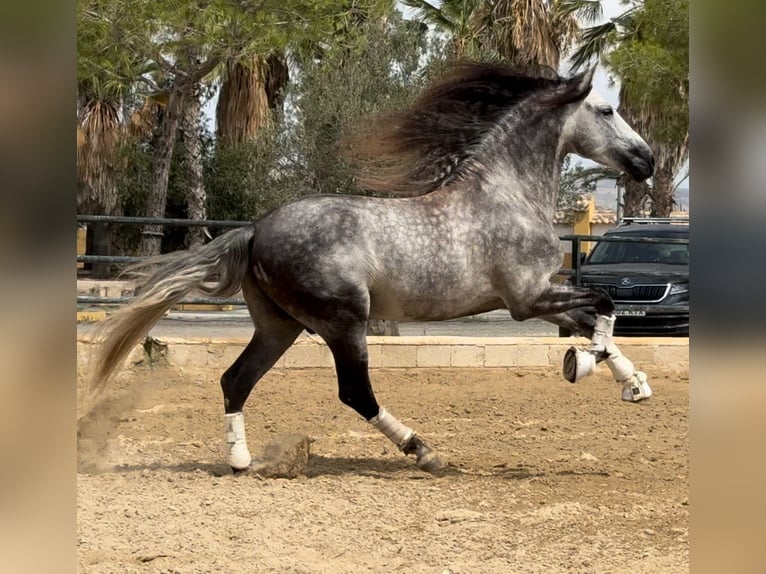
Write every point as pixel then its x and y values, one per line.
pixel 379 67
pixel 165 49
pixel 653 63
pixel 188 38
pixel 246 181
pixel 374 64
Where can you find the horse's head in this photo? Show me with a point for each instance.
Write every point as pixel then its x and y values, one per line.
pixel 596 131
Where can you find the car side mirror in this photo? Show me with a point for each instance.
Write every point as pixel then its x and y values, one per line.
pixel 582 257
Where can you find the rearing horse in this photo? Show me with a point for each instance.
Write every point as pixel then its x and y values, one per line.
pixel 478 156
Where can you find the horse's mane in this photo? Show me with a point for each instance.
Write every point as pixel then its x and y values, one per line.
pixel 415 150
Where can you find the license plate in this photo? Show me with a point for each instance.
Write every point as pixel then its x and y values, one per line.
pixel 629 313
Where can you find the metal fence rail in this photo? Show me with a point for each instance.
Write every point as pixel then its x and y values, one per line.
pixel 161 221
pixel 574 272
pixel 91 300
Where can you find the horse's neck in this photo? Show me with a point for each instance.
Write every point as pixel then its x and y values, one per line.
pixel 521 162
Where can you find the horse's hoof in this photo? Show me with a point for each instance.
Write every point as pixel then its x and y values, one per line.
pixel 431 462
pixel 238 471
pixel 636 389
pixel 578 364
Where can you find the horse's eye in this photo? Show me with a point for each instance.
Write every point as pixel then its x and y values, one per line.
pixel 607 111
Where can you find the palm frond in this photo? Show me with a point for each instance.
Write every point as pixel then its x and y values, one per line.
pixel 427 12
pixel 628 20
pixel 589 11
pixel 250 93
pixel 596 174
pixel 99 132
pixel 521 32
pixel 595 42
pixel 81 141
pixel 143 120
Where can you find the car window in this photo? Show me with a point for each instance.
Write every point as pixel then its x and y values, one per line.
pixel 612 253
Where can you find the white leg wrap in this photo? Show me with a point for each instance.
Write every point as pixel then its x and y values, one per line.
pixel 602 333
pixel 621 367
pixel 239 457
pixel 579 363
pixel 634 384
pixel 390 426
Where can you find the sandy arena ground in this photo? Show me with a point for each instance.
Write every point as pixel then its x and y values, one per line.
pixel 546 477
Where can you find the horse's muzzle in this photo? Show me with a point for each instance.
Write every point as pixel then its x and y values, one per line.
pixel 640 163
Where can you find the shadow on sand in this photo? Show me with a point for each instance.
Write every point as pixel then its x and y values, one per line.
pixel 319 466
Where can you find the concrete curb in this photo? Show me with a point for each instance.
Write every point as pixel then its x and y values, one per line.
pixel 404 352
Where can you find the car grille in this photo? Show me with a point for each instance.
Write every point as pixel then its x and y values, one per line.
pixel 636 293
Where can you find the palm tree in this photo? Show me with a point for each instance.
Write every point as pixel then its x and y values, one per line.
pixel 100 132
pixel 647 48
pixel 532 34
pixel 100 129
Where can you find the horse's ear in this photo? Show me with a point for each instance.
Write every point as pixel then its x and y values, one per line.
pixel 579 86
pixel 569 91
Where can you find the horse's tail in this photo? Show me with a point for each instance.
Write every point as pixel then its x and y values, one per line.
pixel 216 269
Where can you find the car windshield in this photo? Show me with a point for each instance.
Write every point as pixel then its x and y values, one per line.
pixel 618 252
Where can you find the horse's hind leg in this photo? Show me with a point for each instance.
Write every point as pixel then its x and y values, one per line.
pixel 274 333
pixel 349 348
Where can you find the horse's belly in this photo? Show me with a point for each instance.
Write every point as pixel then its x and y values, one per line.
pixel 393 306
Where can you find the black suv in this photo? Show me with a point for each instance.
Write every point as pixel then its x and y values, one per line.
pixel 649 282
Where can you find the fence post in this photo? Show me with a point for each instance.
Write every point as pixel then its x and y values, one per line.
pixel 576 246
pixel 82 241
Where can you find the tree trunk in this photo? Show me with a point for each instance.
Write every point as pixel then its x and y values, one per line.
pixel 155 203
pixel 662 194
pixel 195 194
pixel 634 198
pixel 669 156
pixel 190 74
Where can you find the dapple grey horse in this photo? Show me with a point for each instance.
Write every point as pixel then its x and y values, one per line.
pixel 477 158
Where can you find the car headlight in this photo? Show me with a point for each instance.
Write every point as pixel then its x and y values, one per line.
pixel 678 288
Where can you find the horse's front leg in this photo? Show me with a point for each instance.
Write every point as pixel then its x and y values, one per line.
pixel 576 321
pixel 561 304
pixel 581 362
